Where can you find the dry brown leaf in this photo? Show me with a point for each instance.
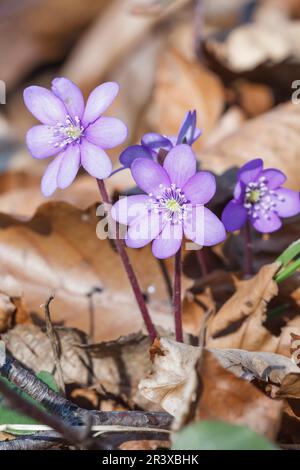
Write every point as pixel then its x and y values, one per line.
pixel 229 398
pixel 173 378
pixel 12 311
pixel 193 385
pixel 58 251
pixel 274 136
pixel 117 22
pixel 171 101
pixel 251 299
pixel 267 367
pixel 36 32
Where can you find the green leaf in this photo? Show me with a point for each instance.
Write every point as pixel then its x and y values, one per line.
pixel 10 416
pixel 48 379
pixel 218 435
pixel 289 267
pixel 290 253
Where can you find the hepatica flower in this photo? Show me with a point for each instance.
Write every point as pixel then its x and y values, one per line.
pixel 260 198
pixel 77 134
pixel 152 142
pixel 173 205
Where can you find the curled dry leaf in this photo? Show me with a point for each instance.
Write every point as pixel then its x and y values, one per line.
pixel 192 384
pixel 240 323
pixel 273 136
pixel 267 367
pixel 251 298
pixel 173 378
pixel 58 251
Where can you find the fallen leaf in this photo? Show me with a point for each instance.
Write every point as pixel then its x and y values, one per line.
pixel 58 251
pixel 191 384
pixel 251 299
pixel 273 136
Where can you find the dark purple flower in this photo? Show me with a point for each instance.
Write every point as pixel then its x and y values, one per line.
pixel 152 142
pixel 76 133
pixel 259 197
pixel 173 205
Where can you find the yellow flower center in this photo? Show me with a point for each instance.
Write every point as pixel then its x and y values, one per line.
pixel 253 196
pixel 173 205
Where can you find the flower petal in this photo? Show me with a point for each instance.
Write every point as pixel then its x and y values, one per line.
pixel 70 95
pixel 69 166
pixel 44 105
pixel 267 225
pixel 129 208
pixel 200 188
pixel 106 132
pixel 274 178
pixel 41 142
pixel 132 152
pixel 287 202
pixel 155 142
pixel 99 100
pixel 250 172
pixel 203 227
pixel 168 242
pixel 143 230
pixel 49 180
pixel 180 164
pixel 95 160
pixel 234 216
pixel 149 175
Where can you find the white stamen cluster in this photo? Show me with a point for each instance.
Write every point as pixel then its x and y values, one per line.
pixel 171 204
pixel 260 200
pixel 66 133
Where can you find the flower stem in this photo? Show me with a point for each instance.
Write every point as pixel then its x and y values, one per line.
pixel 248 251
pixel 202 261
pixel 177 297
pixel 120 245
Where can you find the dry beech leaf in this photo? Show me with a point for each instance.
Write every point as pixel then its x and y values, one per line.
pixel 170 102
pixel 36 32
pixel 116 22
pixel 273 136
pixel 58 251
pixel 31 346
pixel 173 378
pixel 12 311
pixel 251 298
pixel 229 398
pixel 193 385
pixel 240 325
pixel 114 368
pixel 267 367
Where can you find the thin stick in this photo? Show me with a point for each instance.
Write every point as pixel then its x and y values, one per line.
pixel 248 251
pixel 177 297
pixel 120 245
pixel 55 347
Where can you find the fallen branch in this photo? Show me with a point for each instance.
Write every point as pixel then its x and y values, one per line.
pixel 56 404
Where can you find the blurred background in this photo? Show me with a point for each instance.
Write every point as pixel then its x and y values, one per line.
pixel 231 60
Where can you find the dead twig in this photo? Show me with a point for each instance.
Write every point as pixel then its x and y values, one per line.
pixel 54 341
pixel 58 405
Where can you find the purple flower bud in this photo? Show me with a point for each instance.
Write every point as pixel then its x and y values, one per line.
pixel 259 197
pixel 77 134
pixel 172 206
pixel 152 142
